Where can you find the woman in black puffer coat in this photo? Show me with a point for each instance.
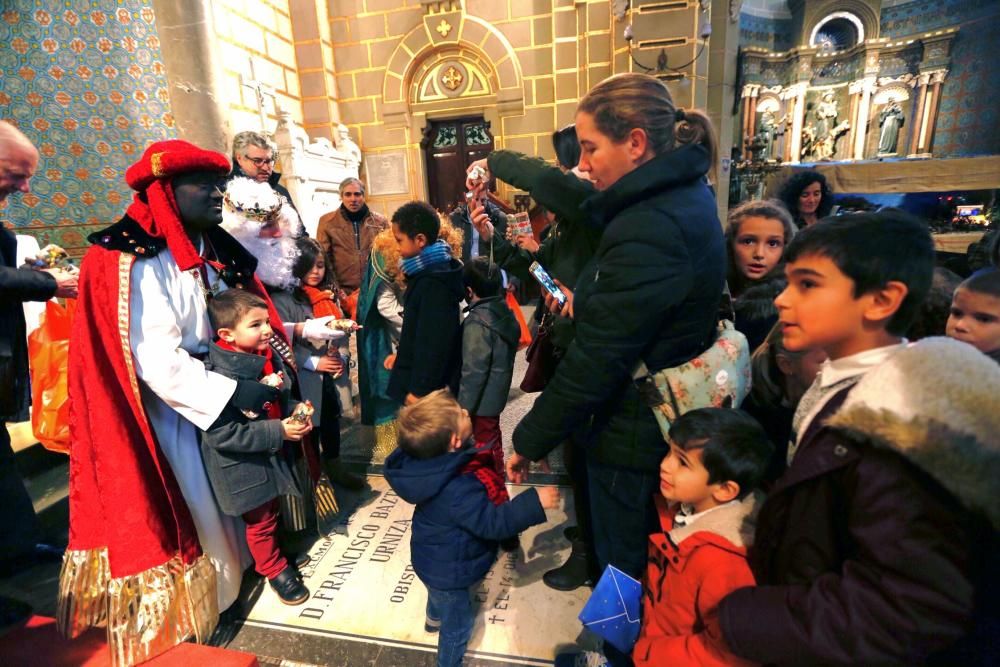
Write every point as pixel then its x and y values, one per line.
pixel 651 292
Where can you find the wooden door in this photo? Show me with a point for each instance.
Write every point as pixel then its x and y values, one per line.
pixel 450 146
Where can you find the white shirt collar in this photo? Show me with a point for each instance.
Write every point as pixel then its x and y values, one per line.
pixel 833 372
pixel 686 515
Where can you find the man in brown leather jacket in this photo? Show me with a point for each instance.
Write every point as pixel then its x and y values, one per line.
pixel 346 236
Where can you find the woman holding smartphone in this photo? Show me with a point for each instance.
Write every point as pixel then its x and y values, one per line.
pixel 651 292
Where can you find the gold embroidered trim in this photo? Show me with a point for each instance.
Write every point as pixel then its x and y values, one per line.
pixel 155 161
pixel 147 613
pixel 385 441
pixel 125 261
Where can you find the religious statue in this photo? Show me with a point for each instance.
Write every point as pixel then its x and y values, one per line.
pixel 346 145
pixel 890 120
pixel 769 130
pixel 823 143
pixel 826 115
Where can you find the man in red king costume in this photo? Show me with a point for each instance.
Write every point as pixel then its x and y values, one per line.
pixel 150 554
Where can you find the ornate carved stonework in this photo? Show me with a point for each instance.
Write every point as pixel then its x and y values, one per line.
pixel 877 98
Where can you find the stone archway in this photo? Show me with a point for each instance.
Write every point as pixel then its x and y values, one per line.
pixel 477 50
pixel 459 33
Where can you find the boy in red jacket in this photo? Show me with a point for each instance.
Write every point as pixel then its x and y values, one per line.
pixel 717 458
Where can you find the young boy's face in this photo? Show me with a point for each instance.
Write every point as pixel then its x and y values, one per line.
pixel 818 309
pixel 684 479
pixel 252 333
pixel 408 246
pixel 975 319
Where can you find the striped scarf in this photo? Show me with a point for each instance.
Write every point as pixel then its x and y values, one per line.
pixel 438 252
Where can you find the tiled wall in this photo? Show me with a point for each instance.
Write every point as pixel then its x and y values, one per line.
pixel 85 82
pixel 968 122
pixel 773 34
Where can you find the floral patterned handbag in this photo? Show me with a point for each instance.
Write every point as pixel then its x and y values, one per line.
pixel 718 377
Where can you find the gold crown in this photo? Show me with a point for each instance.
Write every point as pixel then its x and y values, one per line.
pixel 256 212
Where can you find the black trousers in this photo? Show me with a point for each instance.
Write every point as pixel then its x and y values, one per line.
pixel 19 526
pixel 329 419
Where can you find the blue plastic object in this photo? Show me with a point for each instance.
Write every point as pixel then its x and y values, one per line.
pixel 612 611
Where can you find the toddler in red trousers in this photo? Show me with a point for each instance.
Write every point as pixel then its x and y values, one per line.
pixel 244 452
pixel 706 504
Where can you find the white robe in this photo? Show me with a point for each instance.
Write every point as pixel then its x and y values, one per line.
pixel 169 322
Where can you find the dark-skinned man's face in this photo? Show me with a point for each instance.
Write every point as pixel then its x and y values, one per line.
pixel 199 199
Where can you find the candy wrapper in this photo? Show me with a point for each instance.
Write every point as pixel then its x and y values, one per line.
pixel 273 380
pixel 303 412
pixel 347 326
pixel 52 257
pixel 477 176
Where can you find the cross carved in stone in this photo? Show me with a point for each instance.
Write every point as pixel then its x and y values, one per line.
pixel 443 28
pixel 261 90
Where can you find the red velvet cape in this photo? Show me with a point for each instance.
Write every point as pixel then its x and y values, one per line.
pixel 123 494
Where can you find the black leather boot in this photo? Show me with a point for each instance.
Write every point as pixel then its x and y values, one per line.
pixel 575 572
pixel 288 587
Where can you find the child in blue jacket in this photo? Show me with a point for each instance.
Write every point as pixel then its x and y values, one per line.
pixel 462 512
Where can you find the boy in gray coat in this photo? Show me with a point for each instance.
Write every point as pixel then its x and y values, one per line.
pixel 490 335
pixel 244 452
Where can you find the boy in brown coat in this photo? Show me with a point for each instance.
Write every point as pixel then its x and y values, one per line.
pixel 874 546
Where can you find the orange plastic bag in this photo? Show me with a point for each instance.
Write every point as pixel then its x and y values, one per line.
pixel 48 359
pixel 525 339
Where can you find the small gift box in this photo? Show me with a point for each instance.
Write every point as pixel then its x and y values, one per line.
pixel 612 612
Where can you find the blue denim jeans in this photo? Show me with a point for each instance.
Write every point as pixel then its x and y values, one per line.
pixel 623 516
pixel 454 609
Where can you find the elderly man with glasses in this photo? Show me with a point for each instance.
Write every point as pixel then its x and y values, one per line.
pixel 253 157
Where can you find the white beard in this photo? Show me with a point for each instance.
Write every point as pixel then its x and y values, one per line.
pixel 276 257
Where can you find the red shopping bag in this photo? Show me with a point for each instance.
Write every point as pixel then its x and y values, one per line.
pixel 48 359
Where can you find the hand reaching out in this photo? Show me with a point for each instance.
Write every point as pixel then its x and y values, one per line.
pixel 517 468
pixel 330 364
pixel 481 221
pixel 66 283
pixel 549 497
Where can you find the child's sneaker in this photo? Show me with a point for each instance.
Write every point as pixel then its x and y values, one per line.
pixel 585 659
pixel 288 587
pixel 432 625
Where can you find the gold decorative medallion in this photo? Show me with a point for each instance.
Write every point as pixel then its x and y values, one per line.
pixel 443 28
pixel 452 78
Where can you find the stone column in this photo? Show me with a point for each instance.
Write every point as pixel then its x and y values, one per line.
pixel 750 92
pixel 194 73
pixel 798 118
pixel 861 122
pixel 723 47
pixel 930 120
pixel 918 125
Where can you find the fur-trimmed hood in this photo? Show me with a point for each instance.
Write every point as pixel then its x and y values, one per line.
pixel 734 523
pixel 936 402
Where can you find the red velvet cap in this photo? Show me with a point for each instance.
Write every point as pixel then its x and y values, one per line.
pixel 166 159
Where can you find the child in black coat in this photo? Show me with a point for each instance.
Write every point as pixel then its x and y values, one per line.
pixel 429 355
pixel 244 451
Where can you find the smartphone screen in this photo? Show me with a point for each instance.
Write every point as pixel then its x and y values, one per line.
pixel 543 277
